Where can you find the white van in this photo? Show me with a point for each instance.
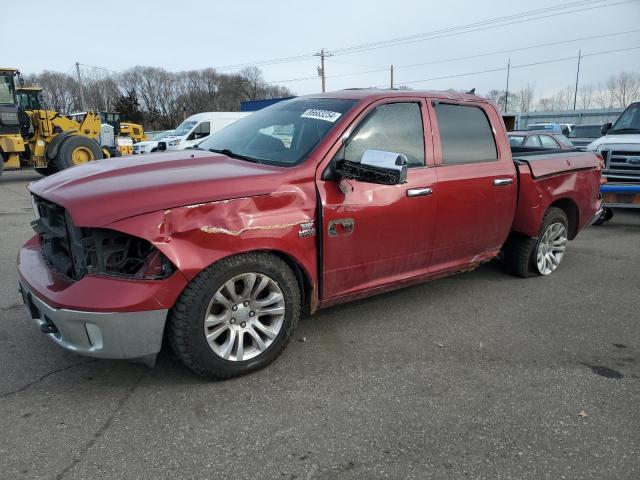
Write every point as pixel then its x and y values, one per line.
pixel 198 127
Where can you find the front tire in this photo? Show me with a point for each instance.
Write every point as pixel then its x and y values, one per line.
pixel 75 150
pixel 236 316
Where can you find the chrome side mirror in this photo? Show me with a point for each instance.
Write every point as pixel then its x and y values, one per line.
pixel 375 166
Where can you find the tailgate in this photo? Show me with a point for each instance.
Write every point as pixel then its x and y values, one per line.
pixel 542 165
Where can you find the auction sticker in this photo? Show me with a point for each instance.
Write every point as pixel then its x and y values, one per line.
pixel 326 115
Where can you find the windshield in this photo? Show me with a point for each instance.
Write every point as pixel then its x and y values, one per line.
pixel 629 121
pixel 542 126
pixel 184 128
pixel 7 90
pixel 585 131
pixel 282 134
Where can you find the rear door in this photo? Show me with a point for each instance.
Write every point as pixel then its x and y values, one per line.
pixel 476 192
pixel 377 234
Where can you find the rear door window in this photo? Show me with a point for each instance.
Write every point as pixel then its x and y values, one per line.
pixel 465 134
pixel 532 141
pixel 548 142
pixel 516 140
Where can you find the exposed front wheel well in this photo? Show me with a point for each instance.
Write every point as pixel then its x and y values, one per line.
pixel 304 282
pixel 302 277
pixel 571 211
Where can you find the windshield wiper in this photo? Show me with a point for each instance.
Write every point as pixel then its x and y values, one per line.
pixel 229 153
pixel 625 130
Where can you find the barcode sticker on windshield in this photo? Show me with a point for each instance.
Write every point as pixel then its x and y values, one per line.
pixel 326 115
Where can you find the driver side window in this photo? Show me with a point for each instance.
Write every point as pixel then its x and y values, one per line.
pixel 394 127
pixel 201 131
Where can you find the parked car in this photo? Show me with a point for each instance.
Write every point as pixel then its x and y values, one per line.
pixel 564 128
pixel 375 190
pixel 150 146
pixel 539 139
pixel 583 135
pixel 198 127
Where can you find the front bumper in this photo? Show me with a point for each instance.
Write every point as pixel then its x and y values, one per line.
pixel 101 317
pixel 124 335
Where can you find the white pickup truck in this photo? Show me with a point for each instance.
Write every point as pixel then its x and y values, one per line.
pixel 620 148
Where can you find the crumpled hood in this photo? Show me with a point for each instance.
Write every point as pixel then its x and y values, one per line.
pixel 105 191
pixel 629 139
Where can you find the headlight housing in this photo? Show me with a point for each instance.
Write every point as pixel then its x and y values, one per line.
pixel 173 143
pixel 77 251
pixel 109 252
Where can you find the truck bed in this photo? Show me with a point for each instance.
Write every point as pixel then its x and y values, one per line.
pixel 543 162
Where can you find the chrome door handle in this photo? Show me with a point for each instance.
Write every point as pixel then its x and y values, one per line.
pixel 419 192
pixel 502 181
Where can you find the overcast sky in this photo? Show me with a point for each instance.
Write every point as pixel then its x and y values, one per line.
pixel 188 34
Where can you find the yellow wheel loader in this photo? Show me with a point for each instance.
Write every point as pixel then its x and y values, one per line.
pixel 48 142
pixel 12 145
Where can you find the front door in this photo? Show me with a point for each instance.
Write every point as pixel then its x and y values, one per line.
pixel 374 234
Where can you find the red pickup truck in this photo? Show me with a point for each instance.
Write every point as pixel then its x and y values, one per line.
pixel 311 202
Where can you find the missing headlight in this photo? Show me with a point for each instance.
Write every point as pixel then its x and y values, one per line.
pixel 110 252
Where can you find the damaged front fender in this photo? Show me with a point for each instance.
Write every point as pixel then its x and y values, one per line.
pixel 196 236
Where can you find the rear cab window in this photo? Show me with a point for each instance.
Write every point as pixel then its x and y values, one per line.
pixel 466 135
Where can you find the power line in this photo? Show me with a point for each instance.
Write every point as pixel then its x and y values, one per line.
pixel 483 25
pixel 467 57
pixel 511 50
pixel 524 65
pixel 98 68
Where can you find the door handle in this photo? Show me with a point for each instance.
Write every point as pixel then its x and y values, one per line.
pixel 498 182
pixel 419 192
pixel 346 226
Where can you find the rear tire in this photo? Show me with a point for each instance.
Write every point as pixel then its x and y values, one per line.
pixel 521 254
pixel 75 150
pixel 219 334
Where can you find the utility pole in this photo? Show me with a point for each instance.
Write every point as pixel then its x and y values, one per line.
pixel 391 77
pixel 575 95
pixel 321 71
pixel 506 93
pixel 80 86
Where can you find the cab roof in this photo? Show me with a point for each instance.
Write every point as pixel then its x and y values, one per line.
pixel 379 93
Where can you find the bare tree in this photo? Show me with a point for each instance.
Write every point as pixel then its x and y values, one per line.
pixel 525 98
pixel 624 87
pixel 59 91
pixel 585 96
pixel 499 98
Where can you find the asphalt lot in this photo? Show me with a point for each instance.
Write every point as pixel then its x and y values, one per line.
pixel 481 375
